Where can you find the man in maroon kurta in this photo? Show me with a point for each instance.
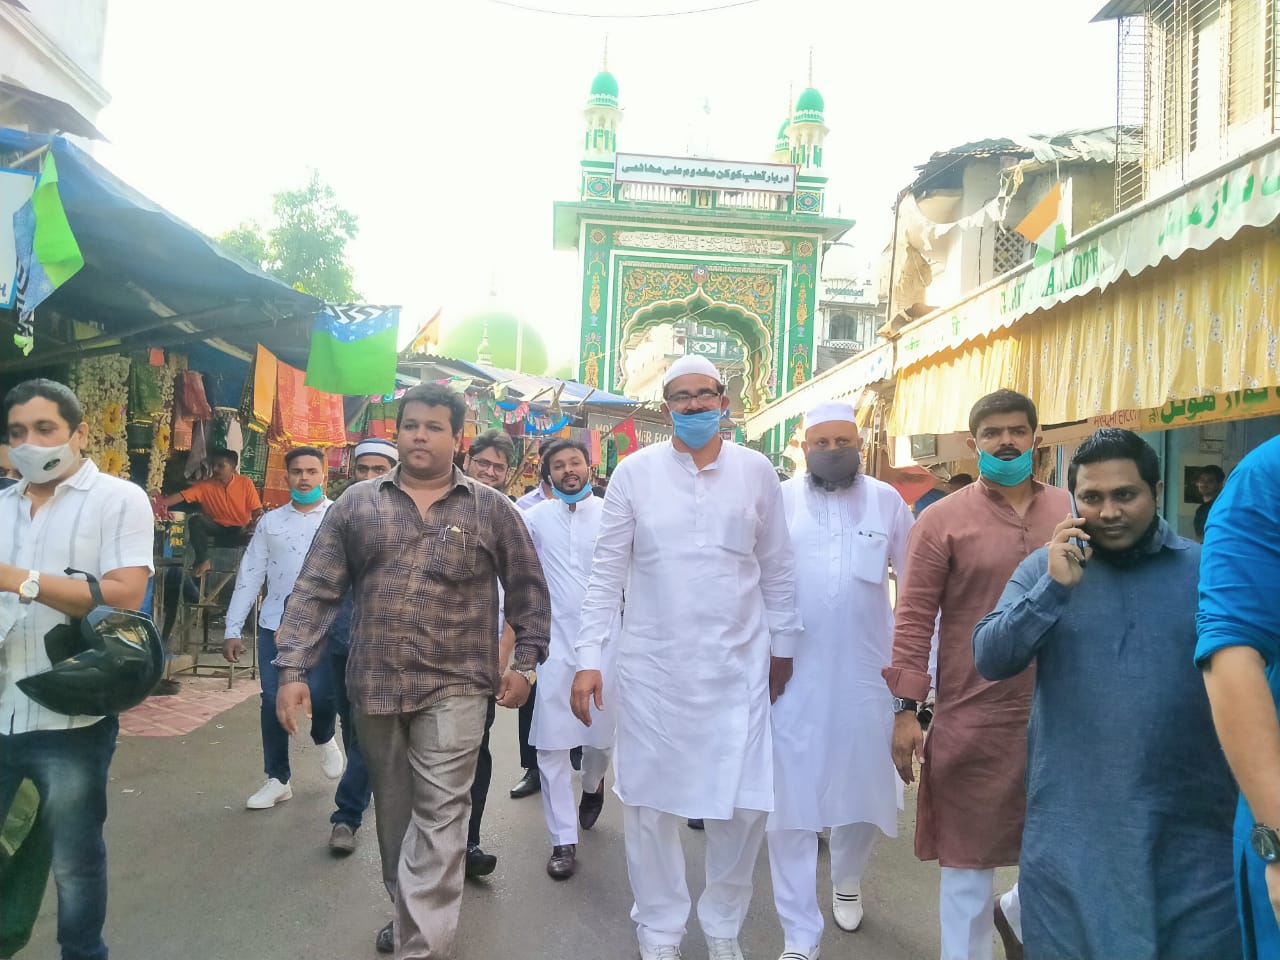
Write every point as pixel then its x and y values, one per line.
pixel 961 555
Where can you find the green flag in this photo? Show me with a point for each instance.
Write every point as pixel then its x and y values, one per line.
pixel 353 349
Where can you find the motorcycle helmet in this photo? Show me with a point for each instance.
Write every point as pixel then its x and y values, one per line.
pixel 103 663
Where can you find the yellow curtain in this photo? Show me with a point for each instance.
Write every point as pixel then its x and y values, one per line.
pixel 1206 323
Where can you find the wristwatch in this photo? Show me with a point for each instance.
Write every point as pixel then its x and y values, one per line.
pixel 902 705
pixel 529 675
pixel 1265 843
pixel 29 589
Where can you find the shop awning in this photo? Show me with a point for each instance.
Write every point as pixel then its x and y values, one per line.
pixel 1211 209
pixel 842 380
pixel 149 280
pixel 1172 339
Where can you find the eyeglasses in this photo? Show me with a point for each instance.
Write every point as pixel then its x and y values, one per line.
pixel 684 398
pixel 490 466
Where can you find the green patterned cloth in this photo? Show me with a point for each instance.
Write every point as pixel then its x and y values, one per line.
pixel 253 459
pixel 144 388
pixel 26 854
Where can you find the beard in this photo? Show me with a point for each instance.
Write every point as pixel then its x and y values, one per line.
pixel 1135 553
pixel 831 486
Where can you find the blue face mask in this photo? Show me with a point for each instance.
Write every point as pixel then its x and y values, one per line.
pixel 582 494
pixel 306 499
pixel 696 430
pixel 1007 473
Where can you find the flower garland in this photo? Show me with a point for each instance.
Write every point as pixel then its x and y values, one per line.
pixel 162 423
pixel 102 384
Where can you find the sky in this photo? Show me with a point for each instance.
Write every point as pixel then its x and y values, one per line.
pixel 450 128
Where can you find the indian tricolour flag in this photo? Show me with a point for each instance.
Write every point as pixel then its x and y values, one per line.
pixel 353 349
pixel 1048 225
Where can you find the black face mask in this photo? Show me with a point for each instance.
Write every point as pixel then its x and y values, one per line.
pixel 838 466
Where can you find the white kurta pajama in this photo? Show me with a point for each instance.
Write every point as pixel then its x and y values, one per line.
pixel 833 727
pixel 707 565
pixel 565 540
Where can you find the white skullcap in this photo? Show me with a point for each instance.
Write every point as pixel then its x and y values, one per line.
pixel 830 411
pixel 692 363
pixel 383 448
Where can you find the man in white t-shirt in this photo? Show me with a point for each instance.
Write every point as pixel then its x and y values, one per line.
pixel 63 514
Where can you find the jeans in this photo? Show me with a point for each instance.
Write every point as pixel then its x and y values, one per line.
pixel 480 785
pixel 204 533
pixel 352 797
pixel 69 769
pixel 324 708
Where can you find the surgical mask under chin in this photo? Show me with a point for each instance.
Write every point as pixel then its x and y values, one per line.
pixel 41 464
pixel 1006 473
pixel 309 497
pixel 572 497
pixel 696 430
pixel 836 465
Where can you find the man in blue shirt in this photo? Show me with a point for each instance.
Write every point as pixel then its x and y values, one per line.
pixel 1126 852
pixel 1239 652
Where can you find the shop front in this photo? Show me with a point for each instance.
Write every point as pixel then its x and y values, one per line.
pixel 1162 320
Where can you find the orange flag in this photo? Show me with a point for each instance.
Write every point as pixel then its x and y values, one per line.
pixel 624 435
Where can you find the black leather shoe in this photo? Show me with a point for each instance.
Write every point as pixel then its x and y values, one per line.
pixel 529 784
pixel 695 824
pixel 385 941
pixel 590 806
pixel 479 863
pixel 1008 939
pixel 563 862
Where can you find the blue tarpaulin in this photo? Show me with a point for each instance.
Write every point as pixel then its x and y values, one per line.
pixel 149 278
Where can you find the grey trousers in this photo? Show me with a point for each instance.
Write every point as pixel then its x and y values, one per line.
pixel 421 766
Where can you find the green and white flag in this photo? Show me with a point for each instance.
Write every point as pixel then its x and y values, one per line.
pixel 353 349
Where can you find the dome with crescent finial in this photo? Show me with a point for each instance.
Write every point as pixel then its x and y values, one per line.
pixel 783 141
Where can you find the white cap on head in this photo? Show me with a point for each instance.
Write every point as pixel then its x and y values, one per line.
pixel 829 411
pixel 376 445
pixel 692 363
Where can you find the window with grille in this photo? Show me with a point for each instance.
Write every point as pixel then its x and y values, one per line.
pixel 843 327
pixel 1010 250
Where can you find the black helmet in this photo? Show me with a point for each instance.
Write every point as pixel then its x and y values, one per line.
pixel 103 663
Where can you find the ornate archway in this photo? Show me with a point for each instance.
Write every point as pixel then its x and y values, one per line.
pixel 748 328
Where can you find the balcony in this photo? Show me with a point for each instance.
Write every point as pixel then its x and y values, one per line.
pixel 700 199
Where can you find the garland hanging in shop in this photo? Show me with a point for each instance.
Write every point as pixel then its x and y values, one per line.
pixel 102 385
pixel 162 423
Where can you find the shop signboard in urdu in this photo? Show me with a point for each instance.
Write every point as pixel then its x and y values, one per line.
pixel 1215 209
pixel 16 187
pixel 1238 405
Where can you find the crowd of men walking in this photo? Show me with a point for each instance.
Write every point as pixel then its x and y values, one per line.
pixel 732 648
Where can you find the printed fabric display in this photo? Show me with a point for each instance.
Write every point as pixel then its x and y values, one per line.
pixel 304 416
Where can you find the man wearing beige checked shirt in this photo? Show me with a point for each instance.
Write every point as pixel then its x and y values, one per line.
pixel 423 549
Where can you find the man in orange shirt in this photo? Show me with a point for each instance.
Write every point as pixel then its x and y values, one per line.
pixel 229 505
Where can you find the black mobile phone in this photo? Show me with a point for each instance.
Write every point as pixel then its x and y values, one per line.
pixel 1076 540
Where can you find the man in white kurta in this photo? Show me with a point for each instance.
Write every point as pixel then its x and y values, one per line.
pixel 693 529
pixel 564 532
pixel 833 728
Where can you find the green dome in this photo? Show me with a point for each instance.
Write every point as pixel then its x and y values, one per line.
pixel 604 90
pixel 784 136
pixel 461 341
pixel 810 107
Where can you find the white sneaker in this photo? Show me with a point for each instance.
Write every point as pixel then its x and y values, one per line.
pixel 792 953
pixel 846 908
pixel 332 762
pixel 660 953
pixel 719 948
pixel 269 794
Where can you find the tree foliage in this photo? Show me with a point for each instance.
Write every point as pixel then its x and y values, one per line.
pixel 305 245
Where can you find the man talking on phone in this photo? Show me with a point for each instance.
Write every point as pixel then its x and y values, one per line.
pixel 1111 784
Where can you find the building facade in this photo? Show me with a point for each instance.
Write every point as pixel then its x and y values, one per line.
pixel 718 257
